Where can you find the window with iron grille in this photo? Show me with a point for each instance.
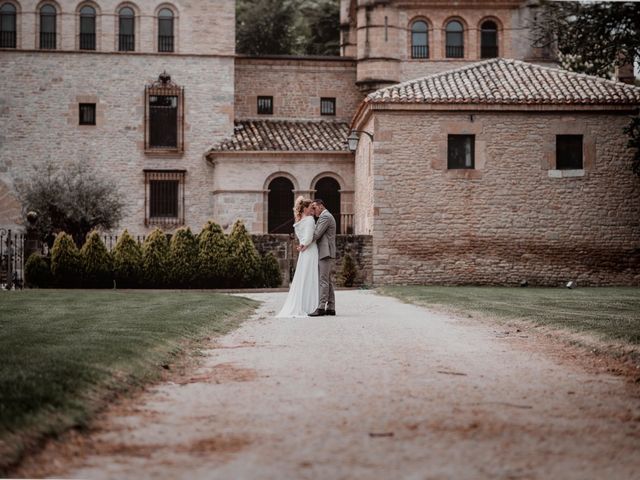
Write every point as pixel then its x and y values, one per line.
pixel 164 197
pixel 126 35
pixel 87 28
pixel 569 152
pixel 461 151
pixel 327 106
pixel 164 130
pixel 47 27
pixel 265 105
pixel 87 114
pixel 454 40
pixel 8 34
pixel 165 30
pixel 419 40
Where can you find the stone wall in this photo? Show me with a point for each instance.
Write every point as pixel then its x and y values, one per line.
pixel 283 247
pixel 514 216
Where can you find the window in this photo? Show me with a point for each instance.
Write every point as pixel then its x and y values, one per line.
pixel 164 116
pixel 419 40
pixel 460 151
pixel 7 26
pixel 454 40
pixel 327 106
pixel 488 40
pixel 569 152
pixel 164 197
pixel 165 30
pixel 265 105
pixel 87 114
pixel 126 35
pixel 87 28
pixel 280 204
pixel 47 27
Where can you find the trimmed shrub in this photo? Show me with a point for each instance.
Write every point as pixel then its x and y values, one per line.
pixel 155 259
pixel 212 256
pixel 96 263
pixel 270 270
pixel 65 261
pixel 243 257
pixel 183 258
pixel 127 261
pixel 37 272
pixel 348 271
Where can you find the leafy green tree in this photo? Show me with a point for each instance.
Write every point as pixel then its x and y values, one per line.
pixel 96 263
pixel 270 271
pixel 65 261
pixel 155 259
pixel 127 261
pixel 37 272
pixel 72 198
pixel 183 258
pixel 243 257
pixel 266 27
pixel 322 19
pixel 213 256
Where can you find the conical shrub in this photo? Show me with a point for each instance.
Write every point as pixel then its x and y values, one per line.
pixel 271 273
pixel 96 263
pixel 37 272
pixel 155 259
pixel 243 257
pixel 213 255
pixel 127 262
pixel 183 258
pixel 65 262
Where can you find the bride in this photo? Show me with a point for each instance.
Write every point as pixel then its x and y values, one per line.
pixel 303 292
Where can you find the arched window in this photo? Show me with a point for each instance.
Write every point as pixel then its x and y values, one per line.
pixel 165 30
pixel 455 39
pixel 87 28
pixel 419 40
pixel 488 40
pixel 328 189
pixel 8 26
pixel 126 32
pixel 48 27
pixel 280 206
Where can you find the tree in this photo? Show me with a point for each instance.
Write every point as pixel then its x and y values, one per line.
pixel 323 24
pixel 155 259
pixel 72 198
pixel 243 257
pixel 127 261
pixel 590 38
pixel 213 255
pixel 96 262
pixel 65 261
pixel 183 258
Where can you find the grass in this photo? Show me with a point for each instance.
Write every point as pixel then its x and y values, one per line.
pixel 65 354
pixel 609 313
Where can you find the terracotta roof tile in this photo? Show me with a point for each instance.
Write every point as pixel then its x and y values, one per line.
pixel 286 135
pixel 504 81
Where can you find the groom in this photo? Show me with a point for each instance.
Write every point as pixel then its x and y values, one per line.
pixel 325 238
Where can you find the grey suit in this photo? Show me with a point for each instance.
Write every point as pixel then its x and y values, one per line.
pixel 325 238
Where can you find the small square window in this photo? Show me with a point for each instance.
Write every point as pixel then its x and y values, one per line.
pixel 461 151
pixel 265 105
pixel 164 197
pixel 327 106
pixel 569 152
pixel 87 114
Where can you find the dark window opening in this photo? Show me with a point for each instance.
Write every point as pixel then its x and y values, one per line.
pixel 164 197
pixel 163 118
pixel 328 189
pixel 419 40
pixel 265 106
pixel 488 40
pixel 126 37
pixel 87 114
pixel 165 30
pixel 280 206
pixel 47 27
pixel 569 152
pixel 461 151
pixel 8 33
pixel 455 40
pixel 327 106
pixel 87 28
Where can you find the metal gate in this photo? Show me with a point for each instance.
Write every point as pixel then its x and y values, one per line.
pixel 11 259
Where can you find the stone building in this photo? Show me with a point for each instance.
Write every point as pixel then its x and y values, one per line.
pixel 152 94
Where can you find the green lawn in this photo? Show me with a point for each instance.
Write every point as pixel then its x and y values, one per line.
pixel 610 313
pixel 64 354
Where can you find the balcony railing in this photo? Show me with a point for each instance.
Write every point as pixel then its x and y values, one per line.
pixel 126 43
pixel 455 51
pixel 420 51
pixel 165 43
pixel 8 39
pixel 48 40
pixel 488 51
pixel 346 223
pixel 87 41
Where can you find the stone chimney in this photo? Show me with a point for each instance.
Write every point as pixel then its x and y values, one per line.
pixel 625 74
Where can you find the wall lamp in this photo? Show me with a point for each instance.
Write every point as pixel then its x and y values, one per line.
pixel 354 137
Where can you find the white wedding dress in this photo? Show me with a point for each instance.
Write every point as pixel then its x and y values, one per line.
pixel 303 291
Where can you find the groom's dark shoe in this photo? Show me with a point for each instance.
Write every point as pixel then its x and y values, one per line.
pixel 318 313
pixel 329 311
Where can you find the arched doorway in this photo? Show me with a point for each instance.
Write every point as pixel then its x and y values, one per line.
pixel 328 189
pixel 280 206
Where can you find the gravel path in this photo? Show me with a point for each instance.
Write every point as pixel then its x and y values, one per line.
pixel 385 390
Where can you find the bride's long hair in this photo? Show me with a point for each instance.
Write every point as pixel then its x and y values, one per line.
pixel 299 206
